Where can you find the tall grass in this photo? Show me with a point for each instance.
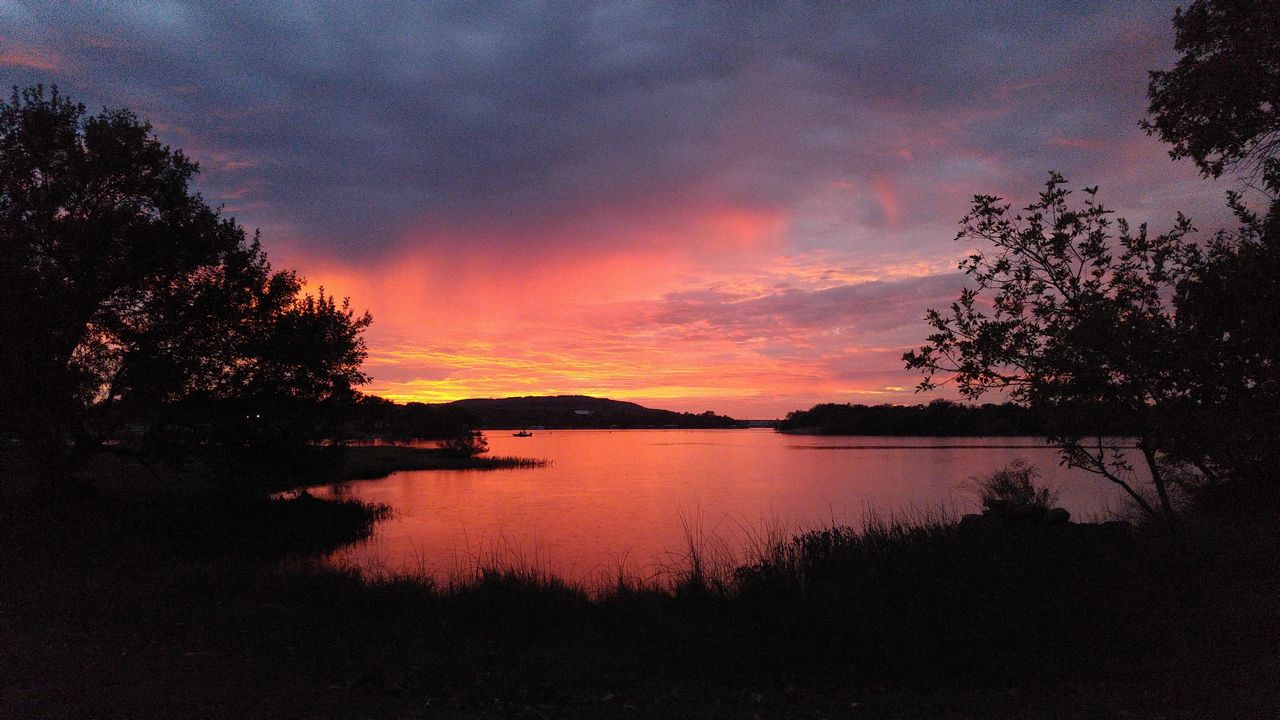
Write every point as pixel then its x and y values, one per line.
pixel 900 592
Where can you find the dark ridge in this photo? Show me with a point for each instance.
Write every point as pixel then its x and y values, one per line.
pixel 581 411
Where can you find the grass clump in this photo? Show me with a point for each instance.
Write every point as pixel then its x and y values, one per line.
pixel 1013 487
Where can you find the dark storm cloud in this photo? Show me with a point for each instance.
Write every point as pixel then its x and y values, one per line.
pixel 349 125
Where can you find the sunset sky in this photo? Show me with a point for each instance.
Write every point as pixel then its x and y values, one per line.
pixel 738 207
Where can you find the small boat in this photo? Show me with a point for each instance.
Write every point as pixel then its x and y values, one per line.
pixel 522 433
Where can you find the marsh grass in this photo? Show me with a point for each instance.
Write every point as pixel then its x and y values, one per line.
pixel 901 597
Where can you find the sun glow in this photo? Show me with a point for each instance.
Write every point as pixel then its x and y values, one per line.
pixel 666 329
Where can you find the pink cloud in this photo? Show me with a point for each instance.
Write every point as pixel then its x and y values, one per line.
pixel 30 57
pixel 888 200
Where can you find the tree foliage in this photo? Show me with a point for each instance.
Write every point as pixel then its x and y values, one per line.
pixel 126 299
pixel 940 418
pixel 1229 326
pixel 376 417
pixel 1070 307
pixel 1180 340
pixel 1220 104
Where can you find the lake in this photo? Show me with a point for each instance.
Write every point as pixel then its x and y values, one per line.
pixel 630 499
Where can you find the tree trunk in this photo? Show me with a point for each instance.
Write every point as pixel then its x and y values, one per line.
pixel 1162 489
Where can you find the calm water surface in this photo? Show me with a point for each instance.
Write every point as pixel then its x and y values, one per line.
pixel 629 498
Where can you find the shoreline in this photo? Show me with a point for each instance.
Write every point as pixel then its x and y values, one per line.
pixel 372 462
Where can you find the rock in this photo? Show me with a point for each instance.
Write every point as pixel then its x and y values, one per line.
pixel 1056 516
pixel 1118 527
pixel 1011 514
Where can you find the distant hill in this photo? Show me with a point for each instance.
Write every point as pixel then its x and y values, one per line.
pixel 581 411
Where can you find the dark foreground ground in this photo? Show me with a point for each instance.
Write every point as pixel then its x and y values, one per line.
pixel 153 603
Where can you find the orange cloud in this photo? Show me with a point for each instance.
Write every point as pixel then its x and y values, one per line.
pixel 691 307
pixel 739 227
pixel 651 327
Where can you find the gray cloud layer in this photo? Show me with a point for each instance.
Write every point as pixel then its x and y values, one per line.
pixel 349 125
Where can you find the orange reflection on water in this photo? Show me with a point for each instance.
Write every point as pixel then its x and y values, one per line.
pixel 630 499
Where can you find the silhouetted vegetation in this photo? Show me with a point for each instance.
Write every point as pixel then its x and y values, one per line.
pixel 1220 107
pixel 467 444
pixel 1217 105
pixel 1178 340
pixel 372 417
pixel 1074 309
pixel 1014 487
pixel 1227 422
pixel 159 322
pixel 943 418
pixel 1069 307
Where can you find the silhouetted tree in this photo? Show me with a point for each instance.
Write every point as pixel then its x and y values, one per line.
pixel 124 297
pixel 1229 319
pixel 941 418
pixel 1070 308
pixel 1220 104
pixel 239 369
pixel 377 417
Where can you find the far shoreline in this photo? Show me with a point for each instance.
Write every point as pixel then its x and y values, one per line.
pixel 819 431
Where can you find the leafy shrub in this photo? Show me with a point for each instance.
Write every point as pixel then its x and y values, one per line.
pixel 1013 487
pixel 467 444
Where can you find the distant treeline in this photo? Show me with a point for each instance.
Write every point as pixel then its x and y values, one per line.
pixel 375 417
pixel 946 418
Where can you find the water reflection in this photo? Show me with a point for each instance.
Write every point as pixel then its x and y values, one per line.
pixel 632 498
